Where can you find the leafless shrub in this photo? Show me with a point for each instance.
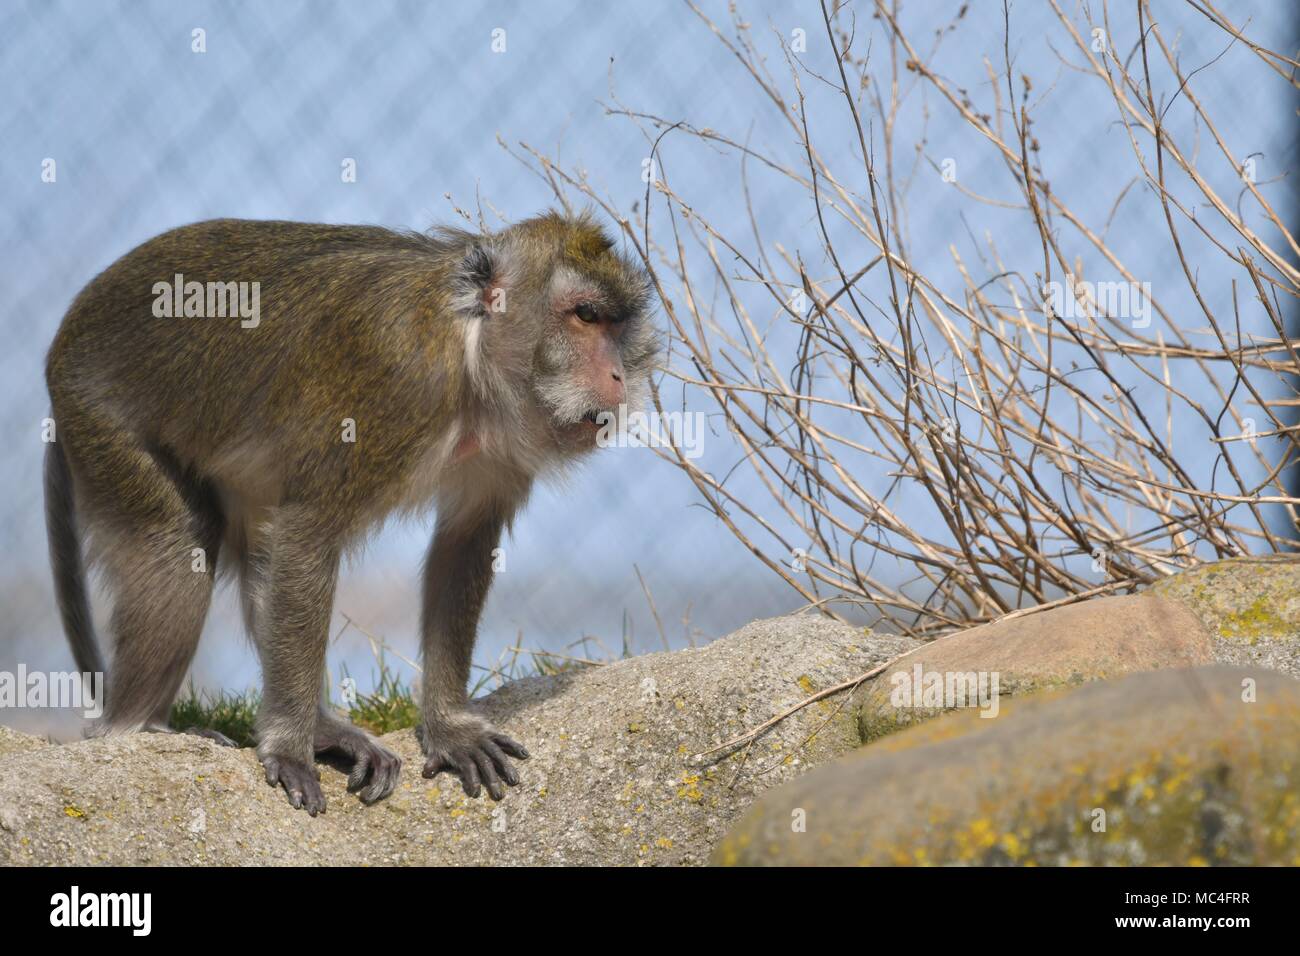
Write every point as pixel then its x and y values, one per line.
pixel 1008 442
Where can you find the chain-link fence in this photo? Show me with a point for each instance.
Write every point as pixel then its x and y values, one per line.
pixel 120 122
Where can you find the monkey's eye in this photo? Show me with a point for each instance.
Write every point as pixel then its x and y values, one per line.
pixel 585 312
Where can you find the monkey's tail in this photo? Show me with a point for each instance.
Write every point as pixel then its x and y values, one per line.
pixel 66 561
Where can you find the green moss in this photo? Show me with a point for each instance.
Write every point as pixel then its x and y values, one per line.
pixel 1160 810
pixel 1242 600
pixel 1252 623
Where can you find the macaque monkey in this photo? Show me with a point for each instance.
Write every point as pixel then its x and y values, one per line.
pixel 337 374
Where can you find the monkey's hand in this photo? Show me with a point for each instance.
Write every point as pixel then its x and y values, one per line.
pixel 474 750
pixel 301 781
pixel 372 769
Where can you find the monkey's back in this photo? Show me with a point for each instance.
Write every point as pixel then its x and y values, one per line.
pixel 352 324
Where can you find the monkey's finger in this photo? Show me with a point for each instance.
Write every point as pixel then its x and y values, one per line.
pixel 489 775
pixel 360 772
pixel 301 784
pixel 437 763
pixel 383 777
pixel 516 750
pixel 468 771
pixel 313 800
pixel 303 795
pixel 503 764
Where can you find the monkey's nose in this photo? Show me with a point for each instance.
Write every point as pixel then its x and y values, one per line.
pixel 614 392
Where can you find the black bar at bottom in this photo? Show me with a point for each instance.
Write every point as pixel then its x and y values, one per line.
pixel 242 905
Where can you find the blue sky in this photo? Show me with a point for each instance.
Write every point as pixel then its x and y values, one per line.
pixel 149 134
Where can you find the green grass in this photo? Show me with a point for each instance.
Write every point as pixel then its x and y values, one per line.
pixel 392 705
pixel 231 714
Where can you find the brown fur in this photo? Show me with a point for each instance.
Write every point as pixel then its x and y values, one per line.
pixel 185 433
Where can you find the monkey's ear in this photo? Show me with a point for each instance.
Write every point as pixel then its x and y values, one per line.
pixel 484 278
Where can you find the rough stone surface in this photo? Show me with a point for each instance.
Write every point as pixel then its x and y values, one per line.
pixel 611 780
pixel 1185 770
pixel 1091 640
pixel 12 742
pixel 1251 605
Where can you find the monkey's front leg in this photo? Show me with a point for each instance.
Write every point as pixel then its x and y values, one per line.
pixel 292 639
pixel 457 574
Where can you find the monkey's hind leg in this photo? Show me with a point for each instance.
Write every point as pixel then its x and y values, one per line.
pixel 157 531
pixel 372 769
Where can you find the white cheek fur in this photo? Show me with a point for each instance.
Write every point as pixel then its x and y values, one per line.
pixel 473 333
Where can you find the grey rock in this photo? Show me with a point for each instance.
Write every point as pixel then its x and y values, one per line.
pixel 1251 605
pixel 11 741
pixel 611 780
pixel 1061 647
pixel 1188 766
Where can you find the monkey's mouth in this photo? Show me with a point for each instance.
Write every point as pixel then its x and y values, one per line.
pixel 588 427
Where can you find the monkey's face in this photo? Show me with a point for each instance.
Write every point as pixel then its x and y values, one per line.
pixel 595 353
pixel 557 331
